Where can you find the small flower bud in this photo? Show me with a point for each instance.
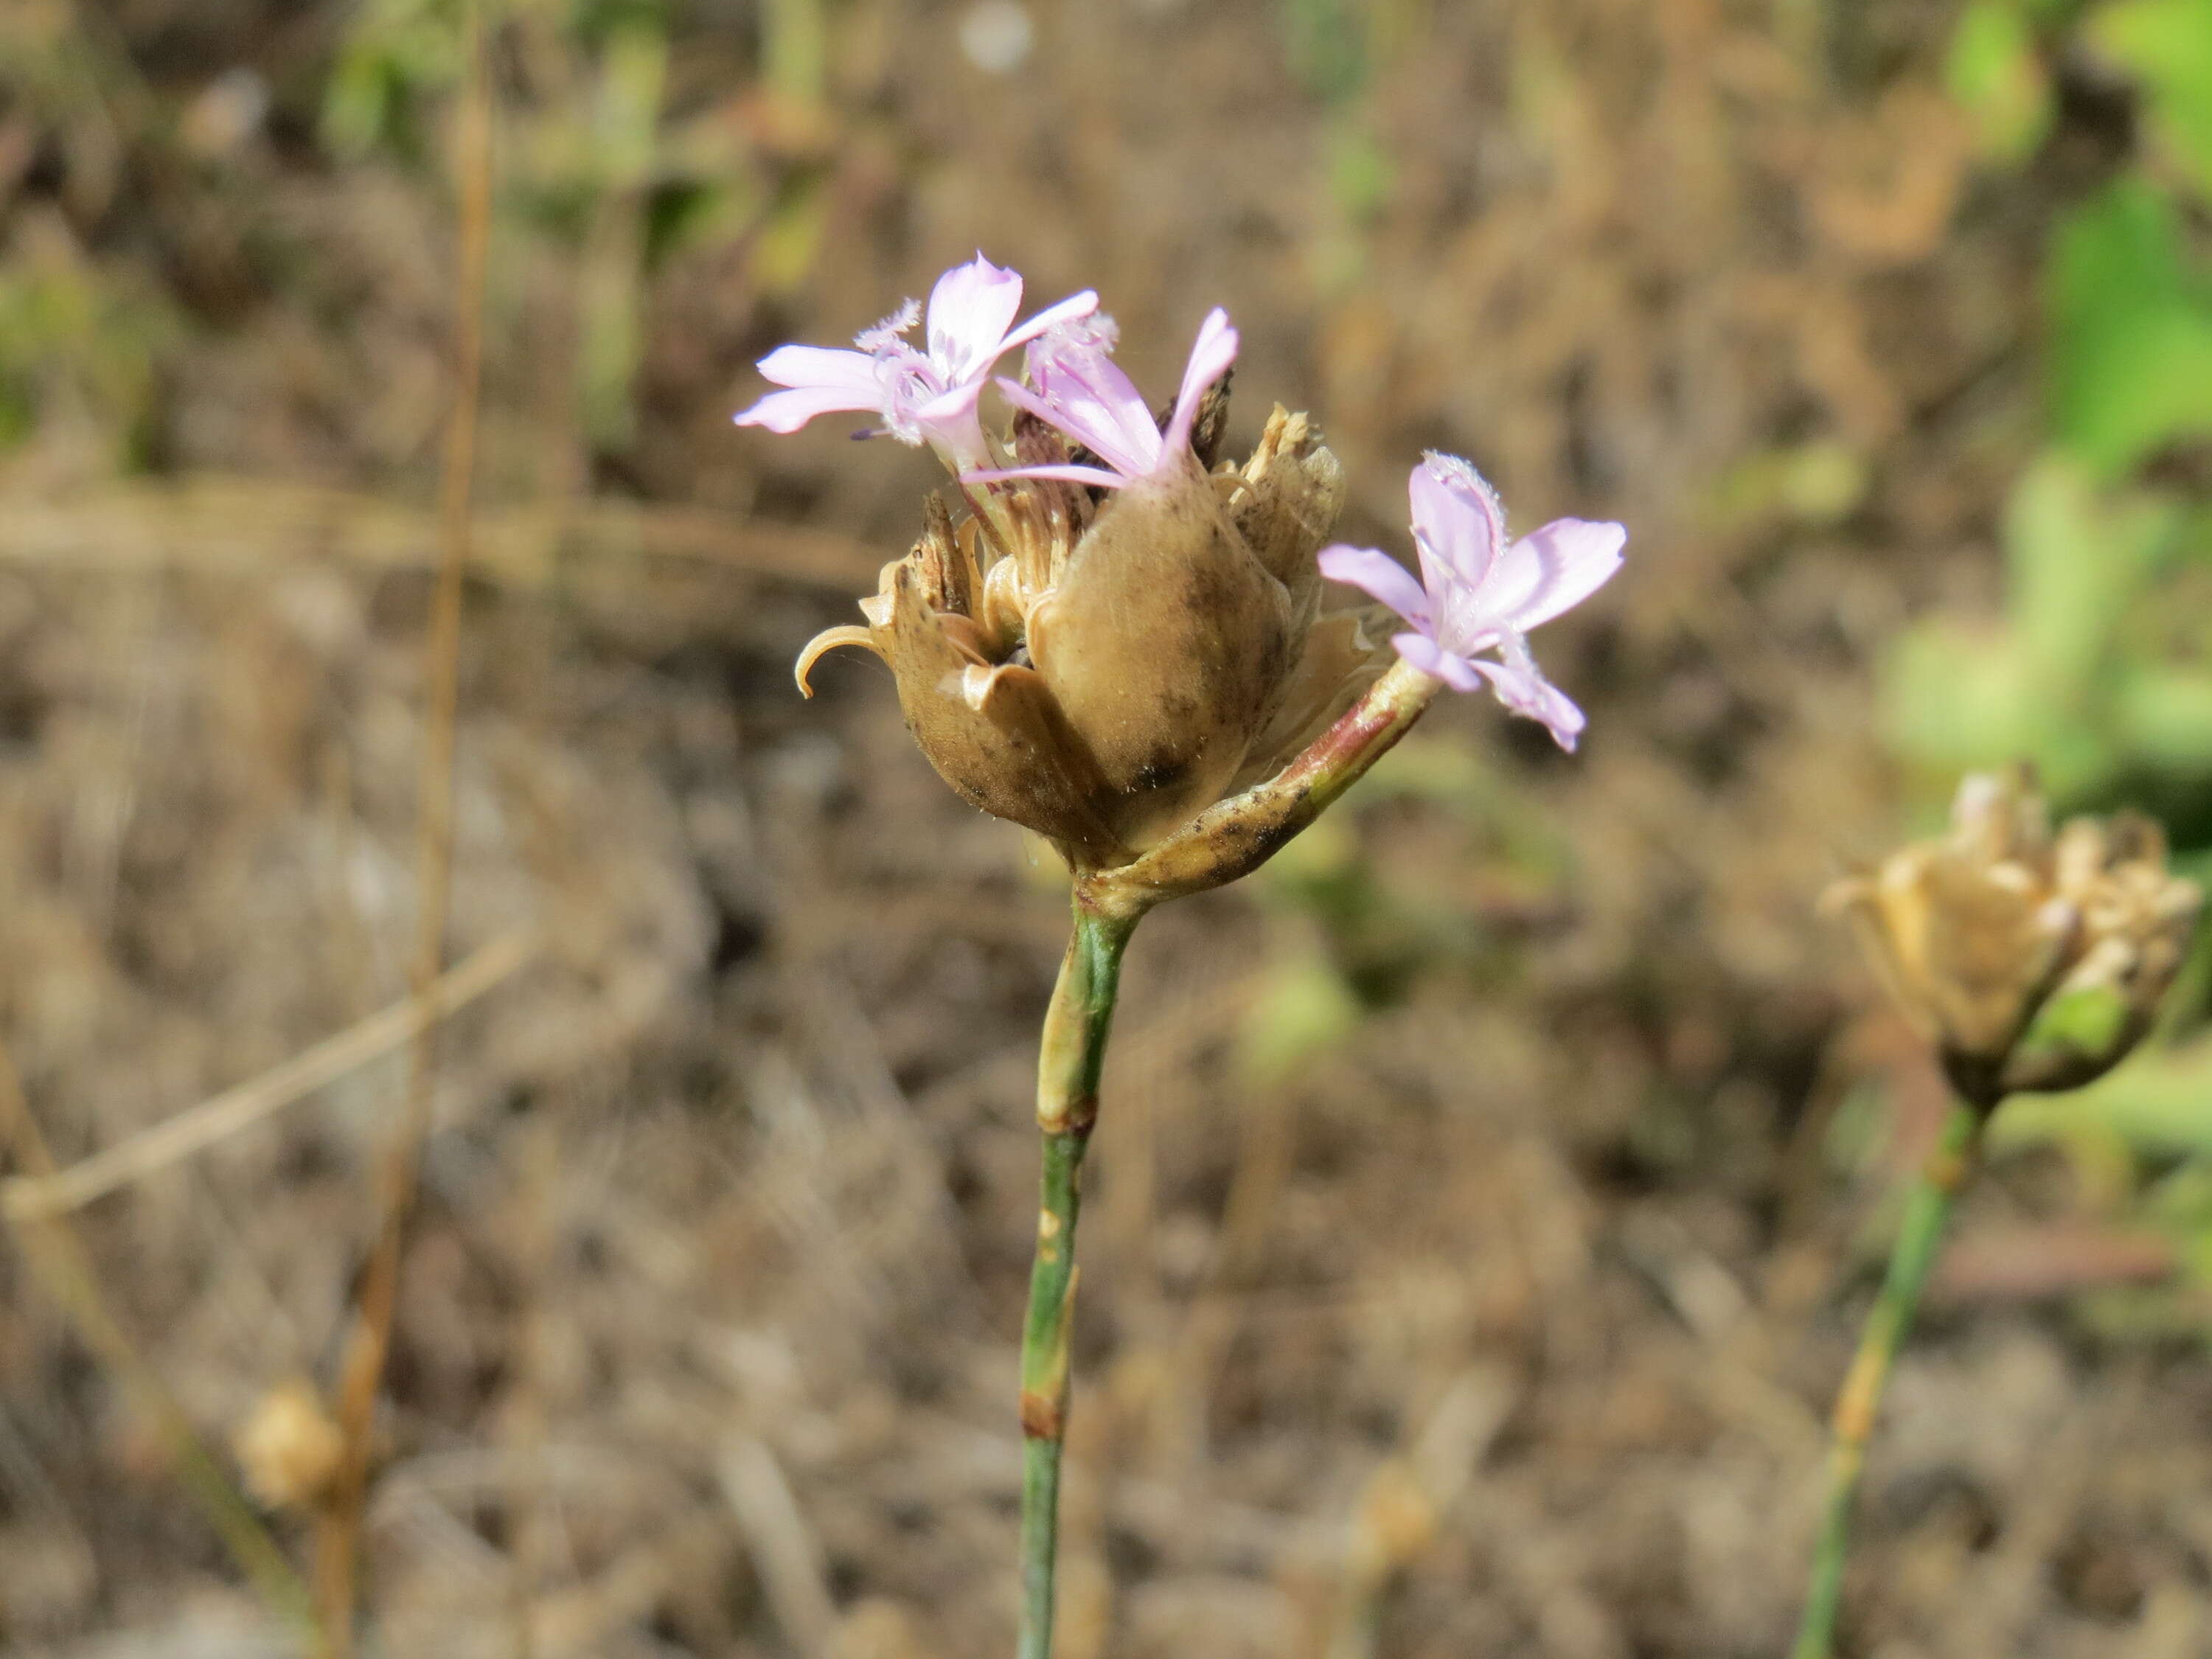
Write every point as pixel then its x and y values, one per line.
pixel 2032 962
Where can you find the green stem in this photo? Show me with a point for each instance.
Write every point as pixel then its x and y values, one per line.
pixel 1910 1258
pixel 1069 1060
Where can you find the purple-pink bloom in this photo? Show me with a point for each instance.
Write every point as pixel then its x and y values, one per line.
pixel 1476 593
pixel 922 397
pixel 1075 386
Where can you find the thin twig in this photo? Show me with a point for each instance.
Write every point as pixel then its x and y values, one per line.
pixel 523 1434
pixel 784 1549
pixel 227 525
pixel 60 1260
pixel 32 1197
pixel 338 1540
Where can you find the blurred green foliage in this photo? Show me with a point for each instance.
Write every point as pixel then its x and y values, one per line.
pixel 1353 932
pixel 81 334
pixel 396 56
pixel 617 153
pixel 2131 329
pixel 79 343
pixel 598 159
pixel 2085 671
pixel 2099 665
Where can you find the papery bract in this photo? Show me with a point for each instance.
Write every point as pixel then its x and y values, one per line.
pixel 1478 594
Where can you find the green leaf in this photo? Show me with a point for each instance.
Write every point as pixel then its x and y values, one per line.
pixel 1820 484
pixel 2131 334
pixel 2078 560
pixel 1998 77
pixel 2165 717
pixel 2167 44
pixel 2079 1023
pixel 1955 698
pixel 2159 1104
pixel 1304 1008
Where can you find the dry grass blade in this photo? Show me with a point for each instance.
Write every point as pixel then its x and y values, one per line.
pixel 338 1539
pixel 34 1197
pixel 219 523
pixel 784 1549
pixel 57 1258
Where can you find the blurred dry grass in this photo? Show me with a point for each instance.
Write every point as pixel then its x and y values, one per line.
pixel 1502 1327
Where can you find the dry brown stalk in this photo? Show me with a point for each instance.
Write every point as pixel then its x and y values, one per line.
pixel 338 1545
pixel 784 1549
pixel 38 1196
pixel 523 1435
pixel 226 524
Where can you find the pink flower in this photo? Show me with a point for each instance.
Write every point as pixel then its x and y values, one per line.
pixel 1478 594
pixel 921 397
pixel 1075 386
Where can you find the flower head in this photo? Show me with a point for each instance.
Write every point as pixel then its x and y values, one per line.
pixel 1077 388
pixel 921 396
pixel 2031 961
pixel 1103 671
pixel 1478 594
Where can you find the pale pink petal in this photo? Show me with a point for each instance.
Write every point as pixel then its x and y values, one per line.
pixel 971 310
pixel 950 405
pixel 1074 370
pixel 1522 687
pixel 1083 474
pixel 1458 524
pixel 1426 654
pixel 1553 569
pixel 1098 405
pixel 1375 573
pixel 1210 355
pixel 1075 306
pixel 949 423
pixel 821 367
pixel 787 411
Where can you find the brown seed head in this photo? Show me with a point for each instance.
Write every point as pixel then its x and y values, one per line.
pixel 1100 666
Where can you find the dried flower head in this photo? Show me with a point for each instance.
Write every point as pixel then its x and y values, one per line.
pixel 2033 962
pixel 1100 653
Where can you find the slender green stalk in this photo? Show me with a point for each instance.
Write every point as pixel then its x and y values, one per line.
pixel 1069 1059
pixel 1914 1254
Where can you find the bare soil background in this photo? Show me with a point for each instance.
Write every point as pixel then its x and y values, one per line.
pixel 1502 1323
